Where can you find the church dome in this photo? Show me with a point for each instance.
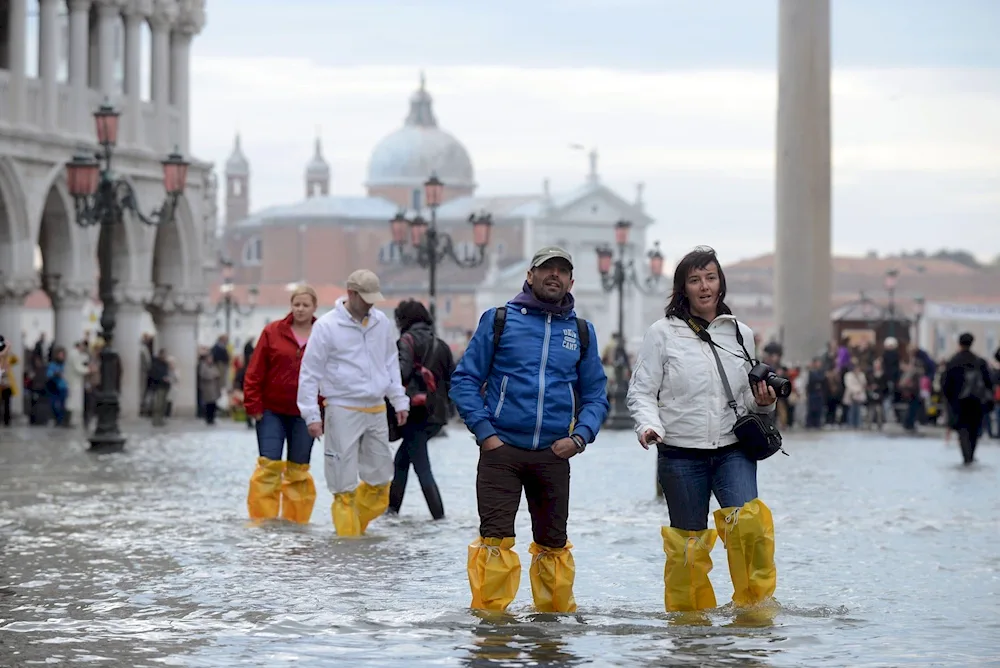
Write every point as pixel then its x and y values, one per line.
pixel 409 156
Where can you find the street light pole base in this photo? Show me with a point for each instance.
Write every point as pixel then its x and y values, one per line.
pixel 105 444
pixel 107 436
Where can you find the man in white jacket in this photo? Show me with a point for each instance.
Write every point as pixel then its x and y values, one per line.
pixel 353 362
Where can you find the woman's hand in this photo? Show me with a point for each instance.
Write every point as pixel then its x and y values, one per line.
pixel 648 437
pixel 763 394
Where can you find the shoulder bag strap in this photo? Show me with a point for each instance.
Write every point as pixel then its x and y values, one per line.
pixel 707 338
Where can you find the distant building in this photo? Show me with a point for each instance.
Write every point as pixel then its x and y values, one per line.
pixel 321 239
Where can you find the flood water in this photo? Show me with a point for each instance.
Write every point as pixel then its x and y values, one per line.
pixel 888 554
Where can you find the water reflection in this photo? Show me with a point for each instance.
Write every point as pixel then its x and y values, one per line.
pixel 146 558
pixel 503 640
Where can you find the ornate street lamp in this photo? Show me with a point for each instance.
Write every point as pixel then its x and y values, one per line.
pixel 229 304
pixel 429 247
pixel 615 275
pixel 102 198
pixel 890 286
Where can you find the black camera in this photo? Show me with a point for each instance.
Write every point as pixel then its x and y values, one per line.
pixel 763 373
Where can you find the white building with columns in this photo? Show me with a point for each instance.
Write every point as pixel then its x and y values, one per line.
pixel 89 51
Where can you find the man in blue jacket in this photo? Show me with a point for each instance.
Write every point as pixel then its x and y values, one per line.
pixel 545 399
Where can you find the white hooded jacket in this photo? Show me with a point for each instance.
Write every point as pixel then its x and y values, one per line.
pixel 676 389
pixel 350 364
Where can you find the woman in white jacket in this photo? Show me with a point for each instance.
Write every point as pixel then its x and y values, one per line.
pixel 678 401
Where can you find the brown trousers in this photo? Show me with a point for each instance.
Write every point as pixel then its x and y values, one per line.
pixel 543 475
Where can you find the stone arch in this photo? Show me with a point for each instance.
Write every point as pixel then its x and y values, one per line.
pixel 173 250
pixel 14 228
pixel 67 249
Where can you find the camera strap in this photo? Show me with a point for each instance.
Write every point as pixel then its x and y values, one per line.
pixel 707 338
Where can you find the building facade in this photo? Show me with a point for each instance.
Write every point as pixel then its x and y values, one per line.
pixel 321 239
pixel 89 51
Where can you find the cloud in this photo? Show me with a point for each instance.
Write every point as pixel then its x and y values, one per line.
pixel 919 144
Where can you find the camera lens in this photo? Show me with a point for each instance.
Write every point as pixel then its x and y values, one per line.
pixel 781 386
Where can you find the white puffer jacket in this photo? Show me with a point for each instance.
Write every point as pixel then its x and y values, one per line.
pixel 676 389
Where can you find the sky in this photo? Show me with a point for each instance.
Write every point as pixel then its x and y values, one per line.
pixel 678 95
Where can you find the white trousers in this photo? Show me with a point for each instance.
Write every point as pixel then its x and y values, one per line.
pixel 356 444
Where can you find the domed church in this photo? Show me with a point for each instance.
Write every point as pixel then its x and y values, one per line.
pixel 321 239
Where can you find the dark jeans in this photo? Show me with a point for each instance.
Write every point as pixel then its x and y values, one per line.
pixel 690 476
pixel 210 410
pixel 275 429
pixel 413 450
pixel 5 395
pixel 543 475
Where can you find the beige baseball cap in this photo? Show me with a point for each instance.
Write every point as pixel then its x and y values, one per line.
pixel 551 253
pixel 366 284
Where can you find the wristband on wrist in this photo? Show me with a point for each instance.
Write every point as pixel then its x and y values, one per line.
pixel 581 444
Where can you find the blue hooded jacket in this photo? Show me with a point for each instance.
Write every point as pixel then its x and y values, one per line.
pixel 533 391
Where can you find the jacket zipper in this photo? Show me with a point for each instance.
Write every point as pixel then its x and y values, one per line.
pixel 541 381
pixel 503 395
pixel 572 403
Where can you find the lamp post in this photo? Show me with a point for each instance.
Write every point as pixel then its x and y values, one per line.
pixel 615 275
pixel 229 304
pixel 918 313
pixel 429 247
pixel 890 287
pixel 102 198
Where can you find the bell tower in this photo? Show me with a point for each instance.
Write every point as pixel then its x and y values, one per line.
pixel 237 185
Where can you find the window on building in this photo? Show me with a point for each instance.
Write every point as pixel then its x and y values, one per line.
pixel 237 187
pixel 389 253
pixel 417 198
pixel 466 250
pixel 253 252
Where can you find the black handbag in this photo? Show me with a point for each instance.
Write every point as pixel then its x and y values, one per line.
pixel 390 416
pixel 758 436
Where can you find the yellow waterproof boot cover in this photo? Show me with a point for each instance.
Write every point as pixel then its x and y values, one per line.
pixel 372 500
pixel 748 534
pixel 298 493
pixel 494 573
pixel 686 586
pixel 552 573
pixel 345 515
pixel 264 497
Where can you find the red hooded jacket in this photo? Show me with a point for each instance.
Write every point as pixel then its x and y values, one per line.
pixel 272 378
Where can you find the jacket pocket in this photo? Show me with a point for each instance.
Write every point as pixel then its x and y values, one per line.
pixel 503 395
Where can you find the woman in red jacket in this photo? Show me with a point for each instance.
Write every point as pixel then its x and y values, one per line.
pixel 269 393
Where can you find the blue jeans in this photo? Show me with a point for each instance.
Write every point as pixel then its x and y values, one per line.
pixel 274 429
pixel 690 476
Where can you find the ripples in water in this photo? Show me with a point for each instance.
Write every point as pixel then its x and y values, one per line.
pixel 887 552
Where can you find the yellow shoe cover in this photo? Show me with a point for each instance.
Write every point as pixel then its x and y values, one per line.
pixel 264 497
pixel 552 573
pixel 748 534
pixel 345 515
pixel 494 573
pixel 298 493
pixel 686 587
pixel 372 500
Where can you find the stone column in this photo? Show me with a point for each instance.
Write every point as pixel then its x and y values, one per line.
pixel 802 277
pixel 48 61
pixel 133 80
pixel 18 31
pixel 12 295
pixel 160 23
pixel 68 302
pixel 180 71
pixel 108 13
pixel 128 339
pixel 79 62
pixel 177 332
